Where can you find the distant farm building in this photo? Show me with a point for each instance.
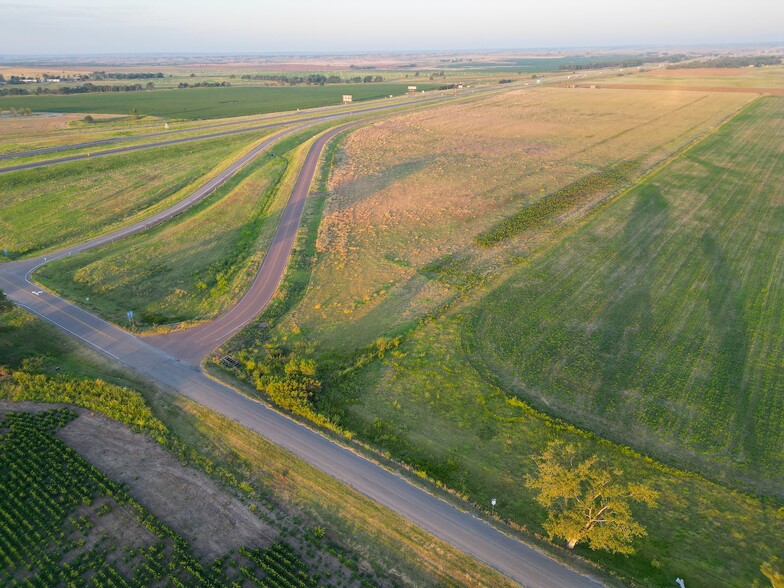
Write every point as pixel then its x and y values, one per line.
pixel 347 99
pixel 411 89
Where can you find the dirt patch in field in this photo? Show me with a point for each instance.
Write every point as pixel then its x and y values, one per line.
pixel 21 125
pixel 188 501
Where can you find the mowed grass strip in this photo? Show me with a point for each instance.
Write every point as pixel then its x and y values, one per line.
pixel 660 324
pixel 201 103
pixel 194 266
pixel 44 208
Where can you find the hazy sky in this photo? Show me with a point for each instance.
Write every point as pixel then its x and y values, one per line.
pixel 116 26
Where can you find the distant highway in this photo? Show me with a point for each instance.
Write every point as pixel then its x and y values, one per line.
pixel 115 140
pixel 164 143
pixel 172 362
pixel 474 92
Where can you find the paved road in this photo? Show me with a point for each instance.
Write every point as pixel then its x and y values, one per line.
pixel 511 557
pixel 114 140
pixel 477 538
pixel 199 194
pixel 164 143
pixel 193 344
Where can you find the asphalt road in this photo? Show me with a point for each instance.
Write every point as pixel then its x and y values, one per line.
pixel 193 344
pixel 177 370
pixel 514 559
pixel 115 140
pixel 166 142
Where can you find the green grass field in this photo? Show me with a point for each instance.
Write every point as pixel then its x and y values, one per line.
pixel 429 402
pixel 45 208
pixel 194 266
pixel 200 103
pixel 660 324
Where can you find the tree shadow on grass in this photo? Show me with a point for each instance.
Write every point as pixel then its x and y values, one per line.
pixel 726 313
pixel 628 317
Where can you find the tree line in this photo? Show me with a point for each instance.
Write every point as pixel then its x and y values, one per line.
pixel 80 89
pixel 728 61
pixel 631 62
pixel 312 79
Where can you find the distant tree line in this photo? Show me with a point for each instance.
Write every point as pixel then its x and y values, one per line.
pixel 724 62
pixel 102 75
pixel 312 79
pixel 633 62
pixel 87 88
pixel 95 76
pixel 204 85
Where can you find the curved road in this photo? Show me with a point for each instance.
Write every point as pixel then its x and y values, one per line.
pixel 117 150
pixel 114 140
pixel 193 344
pixel 177 370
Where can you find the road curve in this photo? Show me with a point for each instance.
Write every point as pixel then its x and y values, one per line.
pixel 477 538
pixel 192 345
pixel 114 140
pixel 167 142
pixel 199 194
pixel 474 536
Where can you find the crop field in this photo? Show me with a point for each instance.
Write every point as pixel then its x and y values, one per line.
pixel 398 285
pixel 747 77
pixel 668 304
pixel 417 189
pixel 45 208
pixel 425 403
pixel 54 506
pixel 203 103
pixel 195 266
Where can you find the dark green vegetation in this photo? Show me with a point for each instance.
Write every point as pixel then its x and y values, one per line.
pixel 660 324
pixel 51 500
pixel 202 103
pixel 543 212
pixel 70 202
pixel 729 61
pixel 551 64
pixel 423 393
pixel 319 515
pixel 194 266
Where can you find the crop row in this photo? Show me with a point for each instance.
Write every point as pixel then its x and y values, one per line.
pixel 538 214
pixel 43 536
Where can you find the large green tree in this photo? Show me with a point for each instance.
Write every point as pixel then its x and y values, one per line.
pixel 586 500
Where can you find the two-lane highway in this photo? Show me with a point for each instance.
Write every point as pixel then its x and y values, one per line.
pixel 466 532
pixel 193 344
pixel 173 364
pixel 322 118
